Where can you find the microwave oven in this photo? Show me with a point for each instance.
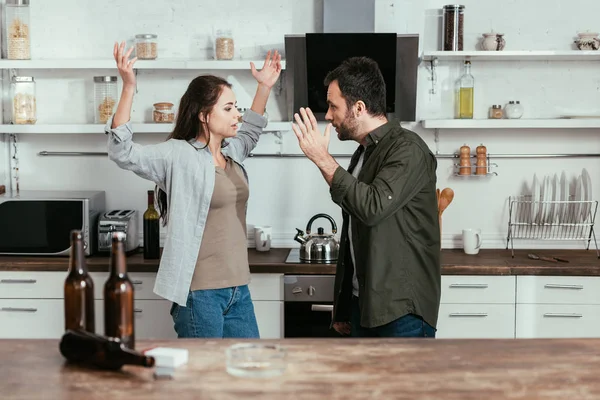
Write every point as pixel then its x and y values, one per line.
pixel 38 222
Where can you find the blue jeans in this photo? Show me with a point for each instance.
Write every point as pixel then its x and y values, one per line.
pixel 216 313
pixel 409 325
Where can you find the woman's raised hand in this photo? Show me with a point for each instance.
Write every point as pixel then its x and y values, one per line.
pixel 124 64
pixel 270 71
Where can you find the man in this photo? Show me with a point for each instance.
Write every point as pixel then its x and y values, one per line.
pixel 388 271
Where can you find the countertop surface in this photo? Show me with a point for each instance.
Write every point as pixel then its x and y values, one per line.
pixel 324 369
pixel 454 262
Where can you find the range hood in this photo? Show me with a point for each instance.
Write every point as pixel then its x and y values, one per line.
pixel 343 16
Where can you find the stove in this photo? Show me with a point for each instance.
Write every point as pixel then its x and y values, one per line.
pixel 294 258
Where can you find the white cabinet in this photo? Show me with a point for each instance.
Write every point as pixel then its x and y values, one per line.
pixel 477 307
pixel 558 306
pixel 31 318
pixel 31 305
pixel 267 297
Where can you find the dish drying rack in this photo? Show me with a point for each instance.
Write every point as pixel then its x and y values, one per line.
pixel 551 220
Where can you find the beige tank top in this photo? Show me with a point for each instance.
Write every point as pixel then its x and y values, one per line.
pixel 223 256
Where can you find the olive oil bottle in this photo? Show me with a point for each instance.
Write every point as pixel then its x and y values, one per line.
pixel 466 86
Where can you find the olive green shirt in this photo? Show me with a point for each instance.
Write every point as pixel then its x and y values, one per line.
pixel 395 230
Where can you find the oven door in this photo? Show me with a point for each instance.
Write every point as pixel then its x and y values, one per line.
pixel 308 306
pixel 308 320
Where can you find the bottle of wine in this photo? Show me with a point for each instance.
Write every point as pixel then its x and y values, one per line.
pixel 118 296
pixel 78 289
pixel 88 348
pixel 151 229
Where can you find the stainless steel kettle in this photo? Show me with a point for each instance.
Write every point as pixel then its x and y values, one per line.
pixel 318 247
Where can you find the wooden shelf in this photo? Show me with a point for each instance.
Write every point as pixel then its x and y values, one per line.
pixel 174 64
pixel 553 123
pixel 517 55
pixel 99 128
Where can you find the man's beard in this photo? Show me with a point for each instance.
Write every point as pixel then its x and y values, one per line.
pixel 348 127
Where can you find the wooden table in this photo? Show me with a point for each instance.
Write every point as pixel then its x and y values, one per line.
pixel 565 369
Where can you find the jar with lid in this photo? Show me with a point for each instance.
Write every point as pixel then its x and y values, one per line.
pixel 146 46
pixel 17 31
pixel 496 112
pixel 105 97
pixel 23 98
pixel 453 27
pixel 224 45
pixel 163 113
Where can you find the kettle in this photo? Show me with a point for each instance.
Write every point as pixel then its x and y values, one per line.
pixel 318 247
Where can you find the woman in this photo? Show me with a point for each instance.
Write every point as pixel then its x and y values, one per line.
pixel 202 194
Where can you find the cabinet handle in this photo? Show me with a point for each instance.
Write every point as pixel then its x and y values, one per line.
pixel 459 314
pixel 321 307
pixel 137 282
pixel 138 310
pixel 558 286
pixel 18 280
pixel 18 309
pixel 563 315
pixel 469 285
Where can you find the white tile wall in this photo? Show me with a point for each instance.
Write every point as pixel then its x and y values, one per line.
pixel 285 193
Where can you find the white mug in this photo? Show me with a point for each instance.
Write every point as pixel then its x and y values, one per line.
pixel 471 240
pixel 262 237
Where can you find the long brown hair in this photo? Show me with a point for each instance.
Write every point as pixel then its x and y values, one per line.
pixel 199 99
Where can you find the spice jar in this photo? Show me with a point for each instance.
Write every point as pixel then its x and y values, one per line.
pixel 496 112
pixel 146 46
pixel 105 97
pixel 163 112
pixel 224 45
pixel 23 97
pixel 453 29
pixel 17 30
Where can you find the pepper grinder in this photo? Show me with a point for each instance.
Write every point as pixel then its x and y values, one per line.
pixel 465 161
pixel 481 168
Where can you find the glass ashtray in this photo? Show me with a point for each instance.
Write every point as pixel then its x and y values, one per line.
pixel 252 360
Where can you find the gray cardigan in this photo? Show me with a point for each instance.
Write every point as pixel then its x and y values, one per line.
pixel 187 175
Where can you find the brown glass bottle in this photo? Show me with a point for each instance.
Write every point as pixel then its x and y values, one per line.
pixel 151 229
pixel 118 296
pixel 107 353
pixel 78 289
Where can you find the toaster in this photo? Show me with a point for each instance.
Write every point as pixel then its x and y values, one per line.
pixel 118 221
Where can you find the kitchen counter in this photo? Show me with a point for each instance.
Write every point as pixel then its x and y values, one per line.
pixel 325 369
pixel 454 262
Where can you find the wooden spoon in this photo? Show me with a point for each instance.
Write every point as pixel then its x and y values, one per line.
pixel 445 198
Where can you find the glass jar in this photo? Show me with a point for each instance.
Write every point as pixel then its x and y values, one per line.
pixel 224 46
pixel 496 112
pixel 105 98
pixel 17 30
pixel 23 97
pixel 453 29
pixel 163 113
pixel 146 46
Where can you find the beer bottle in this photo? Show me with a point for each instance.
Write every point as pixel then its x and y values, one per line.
pixel 118 296
pixel 151 229
pixel 78 289
pixel 107 353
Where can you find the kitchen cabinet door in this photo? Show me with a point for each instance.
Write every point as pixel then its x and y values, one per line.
pixel 32 319
pixel 152 319
pixel 558 321
pixel 478 289
pixel 476 321
pixel 269 316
